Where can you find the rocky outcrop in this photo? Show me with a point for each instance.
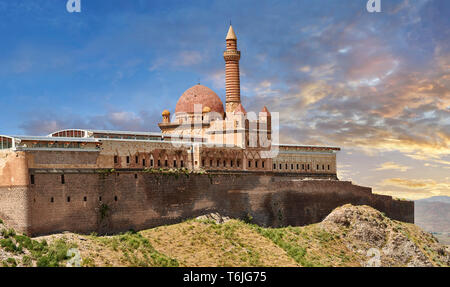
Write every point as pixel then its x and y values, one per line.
pixel 387 242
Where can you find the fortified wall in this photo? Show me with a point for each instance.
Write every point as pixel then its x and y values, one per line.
pixel 111 201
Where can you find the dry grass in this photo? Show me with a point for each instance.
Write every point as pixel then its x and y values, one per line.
pixel 203 243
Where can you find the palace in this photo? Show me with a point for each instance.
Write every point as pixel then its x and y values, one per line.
pixel 204 134
pixel 107 181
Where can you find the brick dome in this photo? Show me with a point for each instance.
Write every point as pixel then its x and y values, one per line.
pixel 200 95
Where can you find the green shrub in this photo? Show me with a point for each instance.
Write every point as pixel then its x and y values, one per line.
pixel 52 255
pixel 24 241
pixel 26 261
pixel 9 245
pixel 8 233
pixel 12 262
pixel 104 208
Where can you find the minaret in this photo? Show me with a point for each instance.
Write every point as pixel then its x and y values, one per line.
pixel 232 80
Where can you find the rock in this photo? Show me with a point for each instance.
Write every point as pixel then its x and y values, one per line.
pixel 216 217
pixel 396 243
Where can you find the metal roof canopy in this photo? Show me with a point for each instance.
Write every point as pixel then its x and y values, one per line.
pixel 55 139
pixel 86 131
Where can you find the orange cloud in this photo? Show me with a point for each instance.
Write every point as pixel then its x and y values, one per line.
pixel 393 166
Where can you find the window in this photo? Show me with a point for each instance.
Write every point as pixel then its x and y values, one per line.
pixel 323 167
pixel 143 162
pixel 224 163
pixel 174 163
pixel 151 162
pixel 128 159
pixel 52 200
pixel 166 163
pixel 297 166
pixel 286 166
pixel 68 199
pixel 263 164
pixel 256 164
pixel 135 175
pixel 32 179
pixel 85 198
pixel 303 166
pixel 238 163
pixel 280 166
pixel 99 198
pixel 137 159
pixel 115 198
pixel 116 159
pixel 292 166
pixel 203 162
pixel 231 163
pixel 182 163
pixel 63 180
pixel 249 163
pixel 159 162
pixel 274 166
pixel 317 167
pixel 218 163
pixel 328 167
pixel 308 166
pixel 210 162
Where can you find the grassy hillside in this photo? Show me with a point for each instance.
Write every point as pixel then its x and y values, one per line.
pixel 342 239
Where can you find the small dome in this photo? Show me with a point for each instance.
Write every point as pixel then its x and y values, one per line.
pixel 166 113
pixel 206 109
pixel 199 95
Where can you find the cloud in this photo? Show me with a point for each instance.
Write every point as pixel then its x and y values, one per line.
pixel 392 166
pixel 182 59
pixel 44 124
pixel 415 188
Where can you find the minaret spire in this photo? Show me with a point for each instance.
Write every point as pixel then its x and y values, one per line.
pixel 232 77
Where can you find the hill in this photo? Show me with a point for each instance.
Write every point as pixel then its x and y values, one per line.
pixel 444 199
pixel 433 214
pixel 349 236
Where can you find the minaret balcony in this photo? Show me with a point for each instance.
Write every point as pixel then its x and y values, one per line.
pixel 232 55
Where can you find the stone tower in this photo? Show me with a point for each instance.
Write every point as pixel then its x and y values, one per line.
pixel 232 80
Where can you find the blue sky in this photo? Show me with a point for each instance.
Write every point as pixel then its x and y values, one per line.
pixel 378 85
